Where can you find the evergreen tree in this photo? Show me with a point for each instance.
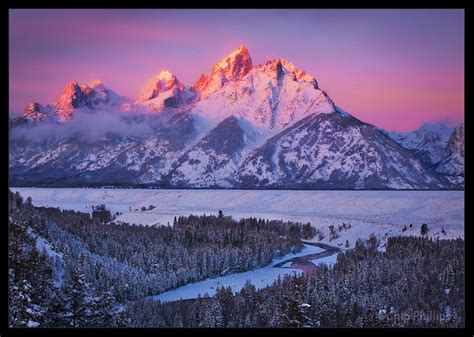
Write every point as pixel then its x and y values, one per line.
pixel 106 311
pixel 30 279
pixel 79 297
pixel 296 313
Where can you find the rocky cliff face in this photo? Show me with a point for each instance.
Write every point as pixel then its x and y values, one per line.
pixel 452 161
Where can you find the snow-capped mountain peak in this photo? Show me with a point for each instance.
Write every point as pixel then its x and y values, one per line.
pixel 32 114
pixel 163 82
pixel 283 67
pixel 165 91
pixel 231 68
pixel 97 85
pixel 428 141
pixel 33 110
pixel 271 95
pixel 73 96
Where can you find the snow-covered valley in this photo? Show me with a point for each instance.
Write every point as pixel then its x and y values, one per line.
pixel 382 213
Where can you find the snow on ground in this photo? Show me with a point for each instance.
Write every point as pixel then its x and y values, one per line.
pixel 383 213
pixel 260 278
pixel 329 260
pixel 43 245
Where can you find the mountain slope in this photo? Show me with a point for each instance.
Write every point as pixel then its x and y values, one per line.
pixel 334 151
pixel 213 160
pixel 113 159
pixel 428 141
pixel 452 161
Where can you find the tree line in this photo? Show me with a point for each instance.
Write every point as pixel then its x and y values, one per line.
pixel 110 264
pixel 416 282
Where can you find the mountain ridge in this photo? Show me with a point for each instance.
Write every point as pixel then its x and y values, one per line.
pixel 226 131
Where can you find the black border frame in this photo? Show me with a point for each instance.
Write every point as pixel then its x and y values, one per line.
pixel 468 330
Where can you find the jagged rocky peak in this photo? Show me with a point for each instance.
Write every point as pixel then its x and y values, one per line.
pixel 33 113
pixel 89 96
pixel 236 65
pixel 70 92
pixel 32 108
pixel 231 68
pixel 282 67
pixel 452 161
pixel 163 82
pixel 96 92
pixel 200 82
pixel 73 96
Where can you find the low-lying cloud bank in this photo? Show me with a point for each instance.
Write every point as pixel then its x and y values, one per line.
pixel 87 126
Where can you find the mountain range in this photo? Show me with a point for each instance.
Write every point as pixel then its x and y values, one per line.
pixel 241 126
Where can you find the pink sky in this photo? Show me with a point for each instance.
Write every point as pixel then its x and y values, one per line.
pixel 396 69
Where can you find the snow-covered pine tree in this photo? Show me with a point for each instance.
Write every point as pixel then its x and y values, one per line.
pixel 106 311
pixel 296 312
pixel 29 295
pixel 226 300
pixel 79 297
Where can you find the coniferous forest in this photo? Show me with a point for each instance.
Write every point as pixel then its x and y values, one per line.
pixel 96 273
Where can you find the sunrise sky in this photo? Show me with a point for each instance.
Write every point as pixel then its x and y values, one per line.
pixel 396 69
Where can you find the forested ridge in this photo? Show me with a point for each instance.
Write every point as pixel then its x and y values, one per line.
pixel 416 282
pixel 68 269
pixel 128 262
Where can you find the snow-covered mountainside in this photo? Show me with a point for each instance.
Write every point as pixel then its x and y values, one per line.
pixel 335 151
pixel 269 125
pixel 428 141
pixel 452 161
pixel 212 160
pixel 113 159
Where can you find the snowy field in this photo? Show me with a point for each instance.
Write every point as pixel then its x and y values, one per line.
pixel 383 213
pixel 260 278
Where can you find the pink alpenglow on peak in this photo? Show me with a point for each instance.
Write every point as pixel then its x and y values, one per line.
pixel 72 97
pixel 164 92
pixel 272 95
pixel 200 82
pixel 93 97
pixel 90 96
pixel 164 81
pixel 33 109
pixel 284 67
pixel 231 68
pixel 32 114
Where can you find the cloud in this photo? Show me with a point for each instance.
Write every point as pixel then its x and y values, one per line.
pixel 88 127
